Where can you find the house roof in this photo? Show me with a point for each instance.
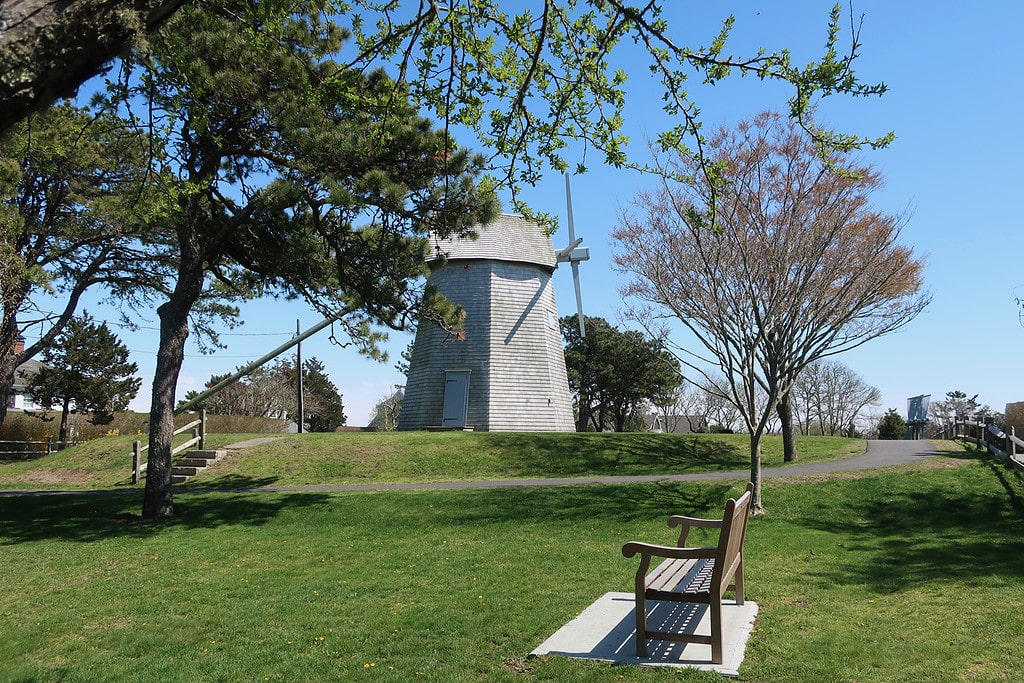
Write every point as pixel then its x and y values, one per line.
pixel 508 238
pixel 24 372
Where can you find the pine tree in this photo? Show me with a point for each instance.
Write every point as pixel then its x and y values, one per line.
pixel 329 411
pixel 291 176
pixel 85 371
pixel 892 426
pixel 613 373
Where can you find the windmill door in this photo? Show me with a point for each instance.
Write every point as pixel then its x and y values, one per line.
pixel 456 398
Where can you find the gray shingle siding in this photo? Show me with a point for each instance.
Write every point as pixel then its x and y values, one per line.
pixel 513 347
pixel 508 238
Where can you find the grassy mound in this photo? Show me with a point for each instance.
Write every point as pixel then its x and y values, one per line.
pixel 362 457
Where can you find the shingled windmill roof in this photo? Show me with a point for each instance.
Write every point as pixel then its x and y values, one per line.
pixel 508 238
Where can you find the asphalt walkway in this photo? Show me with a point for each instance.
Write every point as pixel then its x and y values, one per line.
pixel 877 454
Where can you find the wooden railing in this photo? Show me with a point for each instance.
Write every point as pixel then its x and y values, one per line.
pixel 26 450
pixel 198 428
pixel 23 450
pixel 988 436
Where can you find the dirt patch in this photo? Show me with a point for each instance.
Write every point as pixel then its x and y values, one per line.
pixel 54 477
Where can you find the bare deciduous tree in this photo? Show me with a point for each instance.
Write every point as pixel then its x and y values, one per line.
pixel 831 398
pixel 686 408
pixel 796 266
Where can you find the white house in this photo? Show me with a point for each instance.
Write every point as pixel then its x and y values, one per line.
pixel 18 400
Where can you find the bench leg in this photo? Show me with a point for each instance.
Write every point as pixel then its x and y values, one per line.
pixel 716 632
pixel 641 625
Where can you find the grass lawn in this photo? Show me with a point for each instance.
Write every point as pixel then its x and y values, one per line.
pixel 359 458
pixel 908 574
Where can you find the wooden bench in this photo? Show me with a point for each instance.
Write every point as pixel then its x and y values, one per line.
pixel 693 575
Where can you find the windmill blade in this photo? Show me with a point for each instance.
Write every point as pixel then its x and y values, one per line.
pixel 579 297
pixel 568 206
pixel 574 254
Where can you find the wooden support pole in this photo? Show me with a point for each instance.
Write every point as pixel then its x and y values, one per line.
pixel 136 452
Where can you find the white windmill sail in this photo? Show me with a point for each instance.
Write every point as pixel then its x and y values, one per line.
pixel 573 254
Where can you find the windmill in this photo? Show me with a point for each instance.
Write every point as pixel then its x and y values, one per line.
pixel 573 254
pixel 508 373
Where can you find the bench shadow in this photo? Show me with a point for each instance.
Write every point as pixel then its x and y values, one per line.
pixel 96 516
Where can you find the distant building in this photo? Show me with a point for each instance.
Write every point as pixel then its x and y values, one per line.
pixel 676 424
pixel 507 371
pixel 18 400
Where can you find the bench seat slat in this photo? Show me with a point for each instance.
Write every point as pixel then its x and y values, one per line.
pixel 669 574
pixel 681 581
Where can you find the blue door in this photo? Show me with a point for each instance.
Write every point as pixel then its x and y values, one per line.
pixel 456 398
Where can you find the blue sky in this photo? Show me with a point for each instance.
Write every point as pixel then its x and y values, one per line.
pixel 955 104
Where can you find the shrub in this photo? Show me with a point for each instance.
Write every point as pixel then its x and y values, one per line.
pixel 892 426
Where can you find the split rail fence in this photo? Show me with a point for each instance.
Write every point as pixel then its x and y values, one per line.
pixel 198 428
pixel 986 435
pixel 27 450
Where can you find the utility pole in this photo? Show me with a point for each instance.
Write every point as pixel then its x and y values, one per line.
pixel 255 364
pixel 298 369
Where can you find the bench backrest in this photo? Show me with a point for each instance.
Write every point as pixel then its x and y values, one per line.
pixel 730 541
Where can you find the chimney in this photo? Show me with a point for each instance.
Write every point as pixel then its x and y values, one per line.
pixel 19 345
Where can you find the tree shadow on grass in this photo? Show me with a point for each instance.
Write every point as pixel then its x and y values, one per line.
pixel 97 516
pixel 590 504
pixel 228 482
pixel 913 535
pixel 617 454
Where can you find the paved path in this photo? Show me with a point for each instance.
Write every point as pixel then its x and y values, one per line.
pixel 877 454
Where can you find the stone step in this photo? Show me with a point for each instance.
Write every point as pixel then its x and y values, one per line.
pixel 206 455
pixel 192 462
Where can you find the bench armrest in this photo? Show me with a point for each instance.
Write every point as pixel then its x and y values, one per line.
pixel 669 551
pixel 688 522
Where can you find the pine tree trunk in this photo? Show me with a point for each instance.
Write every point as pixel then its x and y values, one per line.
pixel 62 434
pixel 50 47
pixel 158 499
pixel 584 413
pixel 8 359
pixel 785 412
pixel 6 388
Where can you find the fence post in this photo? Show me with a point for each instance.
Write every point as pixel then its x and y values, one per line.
pixel 1012 445
pixel 136 448
pixel 202 429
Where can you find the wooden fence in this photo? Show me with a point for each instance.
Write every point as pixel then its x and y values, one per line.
pixel 24 450
pixel 27 450
pixel 198 428
pixel 987 435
